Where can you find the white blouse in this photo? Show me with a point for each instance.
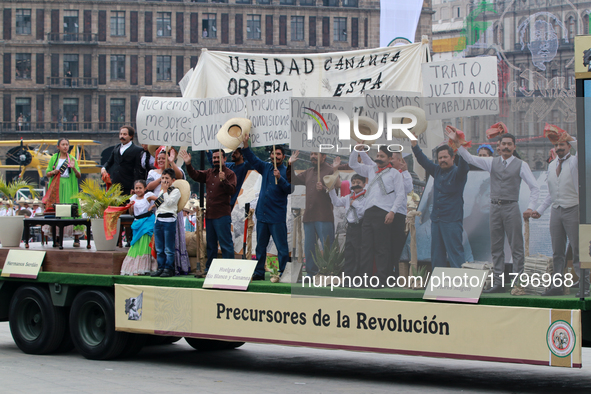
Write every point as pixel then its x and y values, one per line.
pixel 141 206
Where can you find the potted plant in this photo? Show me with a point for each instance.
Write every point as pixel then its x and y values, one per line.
pixel 329 262
pixel 94 199
pixel 11 230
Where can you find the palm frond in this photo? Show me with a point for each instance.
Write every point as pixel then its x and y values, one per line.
pixel 94 199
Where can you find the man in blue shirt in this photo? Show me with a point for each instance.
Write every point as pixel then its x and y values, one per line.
pixel 271 210
pixel 239 166
pixel 448 205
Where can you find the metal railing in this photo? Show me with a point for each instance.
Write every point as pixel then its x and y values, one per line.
pixel 72 82
pixel 55 126
pixel 78 38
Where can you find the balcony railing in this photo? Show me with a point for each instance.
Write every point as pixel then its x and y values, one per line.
pixel 72 83
pixel 74 38
pixel 57 127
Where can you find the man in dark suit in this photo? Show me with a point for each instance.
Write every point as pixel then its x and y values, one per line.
pixel 125 164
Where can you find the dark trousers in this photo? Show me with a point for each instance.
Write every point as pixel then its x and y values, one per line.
pixel 164 238
pixel 377 240
pixel 264 233
pixel 353 239
pixel 219 230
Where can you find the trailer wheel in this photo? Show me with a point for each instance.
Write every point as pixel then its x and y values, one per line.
pixel 211 344
pixel 92 326
pixel 36 325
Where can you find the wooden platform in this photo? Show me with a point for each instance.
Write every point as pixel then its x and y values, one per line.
pixel 75 260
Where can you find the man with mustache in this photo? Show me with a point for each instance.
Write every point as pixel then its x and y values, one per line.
pixel 239 166
pixel 506 173
pixel 318 216
pixel 447 216
pixel 220 186
pixel 124 165
pixel 385 212
pixel 271 210
pixel 563 197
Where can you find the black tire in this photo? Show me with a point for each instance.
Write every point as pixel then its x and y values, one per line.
pixel 92 326
pixel 36 325
pixel 205 345
pixel 134 345
pixel 67 345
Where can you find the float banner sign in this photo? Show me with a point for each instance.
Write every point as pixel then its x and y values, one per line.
pixel 463 87
pixel 229 274
pixel 537 336
pixel 22 264
pixel 271 119
pixel 209 115
pixel 335 74
pixel 455 284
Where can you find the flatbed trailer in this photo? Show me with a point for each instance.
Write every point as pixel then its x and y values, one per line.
pixel 105 316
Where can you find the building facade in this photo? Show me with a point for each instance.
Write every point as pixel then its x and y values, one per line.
pixel 78 68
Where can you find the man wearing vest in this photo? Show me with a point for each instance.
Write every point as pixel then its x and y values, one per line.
pixel 563 196
pixel 385 213
pixel 447 217
pixel 506 173
pixel 124 165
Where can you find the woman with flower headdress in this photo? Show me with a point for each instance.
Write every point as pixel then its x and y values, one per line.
pixel 182 265
pixel 63 173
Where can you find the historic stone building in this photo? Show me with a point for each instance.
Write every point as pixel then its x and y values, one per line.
pixel 78 68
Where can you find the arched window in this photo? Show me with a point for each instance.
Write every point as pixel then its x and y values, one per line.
pixel 571 27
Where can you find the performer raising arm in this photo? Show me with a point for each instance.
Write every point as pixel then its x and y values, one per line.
pixel 506 173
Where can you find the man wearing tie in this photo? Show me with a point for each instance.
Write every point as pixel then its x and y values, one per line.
pixel 506 173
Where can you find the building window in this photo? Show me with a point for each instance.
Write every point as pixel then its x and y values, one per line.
pixel 253 27
pixel 117 113
pixel 117 23
pixel 297 28
pixel 70 25
pixel 457 12
pixel 70 112
pixel 163 68
pixel 23 66
pixel 330 3
pixel 243 1
pixel 23 21
pixel 70 70
pixel 23 113
pixel 117 67
pixel 340 29
pixel 263 1
pixel 571 29
pixel 209 26
pixel 163 26
pixel 350 3
pixel 307 2
pixel 287 2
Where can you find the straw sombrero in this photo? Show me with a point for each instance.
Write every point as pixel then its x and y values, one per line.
pixel 152 149
pixel 233 131
pixel 367 126
pixel 330 180
pixel 418 129
pixel 185 190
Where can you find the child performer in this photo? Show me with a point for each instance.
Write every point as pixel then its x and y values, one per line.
pixel 139 258
pixel 165 227
pixel 354 203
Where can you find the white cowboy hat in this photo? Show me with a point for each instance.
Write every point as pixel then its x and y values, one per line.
pixel 418 129
pixel 185 190
pixel 367 126
pixel 233 131
pixel 330 180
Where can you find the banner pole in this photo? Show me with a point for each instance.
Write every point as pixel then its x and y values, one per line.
pixel 274 161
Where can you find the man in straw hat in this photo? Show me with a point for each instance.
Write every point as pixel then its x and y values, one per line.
pixel 220 186
pixel 385 212
pixel 506 173
pixel 318 216
pixel 447 216
pixel 563 197
pixel 271 209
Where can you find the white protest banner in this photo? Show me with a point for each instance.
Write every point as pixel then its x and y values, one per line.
pixel 312 126
pixel 208 117
pixel 271 118
pixel 336 74
pixel 463 87
pixel 164 121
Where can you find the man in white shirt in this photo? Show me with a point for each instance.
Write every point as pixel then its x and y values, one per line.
pixel 563 197
pixel 354 205
pixel 165 226
pixel 506 173
pixel 385 213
